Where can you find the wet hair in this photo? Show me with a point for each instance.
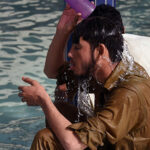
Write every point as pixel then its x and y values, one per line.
pixel 111 13
pixel 96 30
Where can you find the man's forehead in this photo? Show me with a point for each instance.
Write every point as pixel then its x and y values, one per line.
pixel 79 41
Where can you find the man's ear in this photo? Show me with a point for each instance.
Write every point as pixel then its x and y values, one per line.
pixel 98 52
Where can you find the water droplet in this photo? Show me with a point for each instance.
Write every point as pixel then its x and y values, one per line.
pixel 84 101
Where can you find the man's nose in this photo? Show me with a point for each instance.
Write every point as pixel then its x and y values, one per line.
pixel 70 53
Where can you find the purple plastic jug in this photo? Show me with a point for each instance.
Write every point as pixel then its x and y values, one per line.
pixel 85 7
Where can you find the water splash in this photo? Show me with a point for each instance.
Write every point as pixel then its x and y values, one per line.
pixel 84 105
pixel 126 56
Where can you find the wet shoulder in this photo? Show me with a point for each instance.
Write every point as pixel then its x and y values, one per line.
pixel 133 89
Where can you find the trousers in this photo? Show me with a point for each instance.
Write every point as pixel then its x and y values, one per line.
pixel 45 139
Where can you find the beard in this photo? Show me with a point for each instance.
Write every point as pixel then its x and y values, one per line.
pixel 88 69
pixel 87 73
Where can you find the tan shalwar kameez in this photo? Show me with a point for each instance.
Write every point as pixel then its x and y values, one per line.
pixel 121 123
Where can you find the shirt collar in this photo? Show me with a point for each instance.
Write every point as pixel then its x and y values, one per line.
pixel 122 69
pixel 118 72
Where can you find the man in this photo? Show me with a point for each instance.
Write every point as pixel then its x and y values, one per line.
pixel 66 89
pixel 56 51
pixel 121 120
pixel 67 22
pixel 65 26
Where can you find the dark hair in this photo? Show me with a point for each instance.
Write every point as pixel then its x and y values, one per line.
pixel 96 30
pixel 111 13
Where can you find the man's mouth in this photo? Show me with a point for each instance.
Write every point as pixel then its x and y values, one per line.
pixel 71 65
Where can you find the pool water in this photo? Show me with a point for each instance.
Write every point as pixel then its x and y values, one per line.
pixel 26 30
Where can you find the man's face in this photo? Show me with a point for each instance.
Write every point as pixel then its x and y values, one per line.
pixel 80 58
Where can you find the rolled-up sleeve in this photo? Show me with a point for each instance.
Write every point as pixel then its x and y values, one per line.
pixel 90 133
pixel 114 121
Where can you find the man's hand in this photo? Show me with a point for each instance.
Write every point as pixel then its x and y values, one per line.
pixel 33 95
pixel 68 20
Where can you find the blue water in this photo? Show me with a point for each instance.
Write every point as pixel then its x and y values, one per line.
pixel 26 30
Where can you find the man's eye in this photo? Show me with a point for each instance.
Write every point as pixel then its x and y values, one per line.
pixel 77 47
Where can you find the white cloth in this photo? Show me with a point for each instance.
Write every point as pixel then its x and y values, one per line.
pixel 139 48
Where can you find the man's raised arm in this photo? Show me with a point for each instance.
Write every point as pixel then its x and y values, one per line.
pixel 55 56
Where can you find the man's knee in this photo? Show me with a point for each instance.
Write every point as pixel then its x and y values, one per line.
pixel 44 134
pixel 45 140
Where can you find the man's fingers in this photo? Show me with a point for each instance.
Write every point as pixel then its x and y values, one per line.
pixel 29 80
pixel 20 94
pixel 23 95
pixel 23 100
pixel 78 18
pixel 79 15
pixel 92 2
pixel 23 88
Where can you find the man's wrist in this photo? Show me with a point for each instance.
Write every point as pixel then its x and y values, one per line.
pixel 44 100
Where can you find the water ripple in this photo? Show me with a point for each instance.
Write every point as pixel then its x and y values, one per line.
pixel 26 30
pixel 136 16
